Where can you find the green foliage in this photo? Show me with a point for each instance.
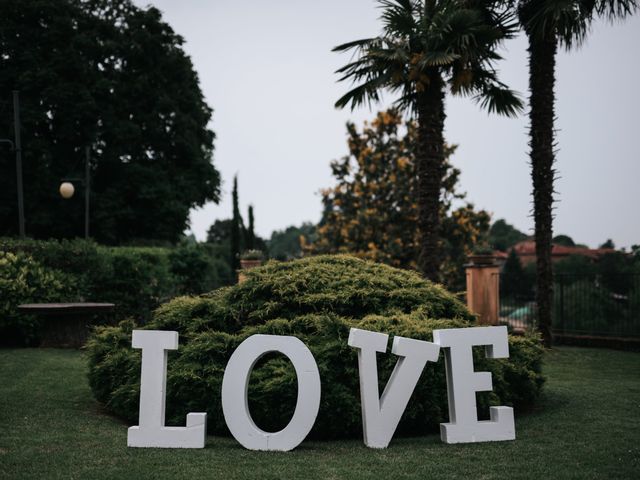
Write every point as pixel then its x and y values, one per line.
pixel 373 210
pixel 196 268
pixel 112 76
pixel 575 265
pixel 426 50
pixel 24 280
pixel 482 249
pixel 236 226
pixel 515 282
pixel 422 41
pixel 250 235
pixel 503 236
pixel 220 239
pixel 291 242
pixel 252 255
pixel 318 300
pixel 608 244
pixel 219 231
pixel 564 240
pixel 568 22
pixel 78 258
pixel 136 279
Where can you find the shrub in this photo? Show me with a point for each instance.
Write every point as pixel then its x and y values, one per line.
pixel 317 300
pixel 77 258
pixel 196 270
pixel 23 280
pixel 136 279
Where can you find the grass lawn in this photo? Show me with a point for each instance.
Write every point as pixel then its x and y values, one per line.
pixel 587 426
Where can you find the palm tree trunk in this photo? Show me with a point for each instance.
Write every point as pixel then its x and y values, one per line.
pixel 430 169
pixel 542 58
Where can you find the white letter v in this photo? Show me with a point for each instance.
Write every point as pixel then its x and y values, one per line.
pixel 380 416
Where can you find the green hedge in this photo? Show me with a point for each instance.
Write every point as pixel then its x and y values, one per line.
pixel 317 300
pixel 136 279
pixel 24 280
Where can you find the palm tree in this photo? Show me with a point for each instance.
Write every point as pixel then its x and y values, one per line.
pixel 549 24
pixel 429 48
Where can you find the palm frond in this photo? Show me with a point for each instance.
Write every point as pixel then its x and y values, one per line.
pixel 398 16
pixel 568 21
pixel 496 98
pixel 615 9
pixel 425 39
pixel 354 44
pixel 363 93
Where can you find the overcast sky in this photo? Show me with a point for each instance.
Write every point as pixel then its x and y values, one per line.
pixel 266 68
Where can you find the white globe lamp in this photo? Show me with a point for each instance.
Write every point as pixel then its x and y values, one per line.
pixel 67 190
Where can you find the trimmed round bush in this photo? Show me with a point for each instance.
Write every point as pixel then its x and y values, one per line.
pixel 317 300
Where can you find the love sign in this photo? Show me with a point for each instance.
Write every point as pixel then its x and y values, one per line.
pixel 380 413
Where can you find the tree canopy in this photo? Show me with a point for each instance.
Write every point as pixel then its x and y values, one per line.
pixel 112 76
pixel 503 235
pixel 291 242
pixel 428 49
pixel 372 210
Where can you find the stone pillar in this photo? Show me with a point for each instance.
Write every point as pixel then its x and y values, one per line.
pixel 483 289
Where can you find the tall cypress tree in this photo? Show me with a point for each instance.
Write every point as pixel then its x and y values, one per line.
pixel 235 228
pixel 250 240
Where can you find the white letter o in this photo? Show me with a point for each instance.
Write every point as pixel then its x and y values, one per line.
pixel 235 384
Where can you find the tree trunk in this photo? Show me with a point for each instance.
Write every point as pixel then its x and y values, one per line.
pixel 542 58
pixel 430 169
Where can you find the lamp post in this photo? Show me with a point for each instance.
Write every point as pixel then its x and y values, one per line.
pixel 17 148
pixel 67 189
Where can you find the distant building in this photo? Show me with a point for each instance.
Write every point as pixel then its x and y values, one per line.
pixel 526 252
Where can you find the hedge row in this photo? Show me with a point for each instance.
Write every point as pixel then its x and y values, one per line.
pixel 136 279
pixel 317 300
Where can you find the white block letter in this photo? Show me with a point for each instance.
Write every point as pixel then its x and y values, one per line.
pixel 153 384
pixel 235 385
pixel 381 415
pixel 463 383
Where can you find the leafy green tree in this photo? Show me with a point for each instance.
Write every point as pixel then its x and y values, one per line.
pixel 503 236
pixel 291 242
pixel 608 244
pixel 549 24
pixel 112 76
pixel 564 240
pixel 573 266
pixel 220 231
pixel 616 270
pixel 429 48
pixel 372 210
